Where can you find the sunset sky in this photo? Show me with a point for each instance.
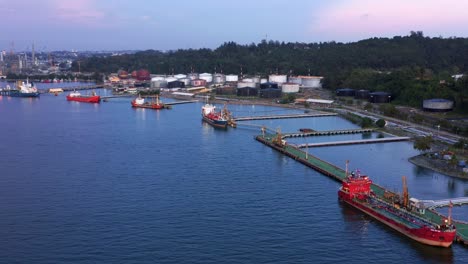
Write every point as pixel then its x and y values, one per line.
pixel 174 24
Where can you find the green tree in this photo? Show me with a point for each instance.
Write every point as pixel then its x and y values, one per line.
pixel 366 122
pixel 380 123
pixel 423 143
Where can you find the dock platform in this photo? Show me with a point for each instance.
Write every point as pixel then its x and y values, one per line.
pixel 339 174
pixel 248 118
pixel 353 142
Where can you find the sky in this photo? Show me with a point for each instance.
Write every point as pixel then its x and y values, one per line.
pixel 105 25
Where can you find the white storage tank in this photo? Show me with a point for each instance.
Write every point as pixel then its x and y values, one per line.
pixel 263 80
pixel 192 76
pixel 256 79
pixel 171 79
pixel 186 81
pixel 295 79
pixel 208 77
pixel 438 105
pixel 247 80
pixel 219 78
pixel 278 78
pixel 312 81
pixel 180 76
pixel 245 84
pixel 290 88
pixel 158 84
pixel 232 78
pixel 157 78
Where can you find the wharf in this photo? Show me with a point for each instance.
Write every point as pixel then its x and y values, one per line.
pixel 327 132
pixel 339 174
pixel 248 118
pixel 353 142
pixel 75 88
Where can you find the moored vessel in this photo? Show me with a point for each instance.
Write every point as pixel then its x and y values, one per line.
pixel 140 102
pixel 399 215
pixel 25 89
pixel 215 118
pixel 78 97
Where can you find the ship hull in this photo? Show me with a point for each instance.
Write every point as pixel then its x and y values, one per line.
pixel 20 94
pixel 424 235
pixel 84 99
pixel 148 105
pixel 216 123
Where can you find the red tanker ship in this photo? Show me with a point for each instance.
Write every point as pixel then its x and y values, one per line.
pixel 356 191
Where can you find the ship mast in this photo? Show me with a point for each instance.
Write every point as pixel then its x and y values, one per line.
pixel 405 193
pixel 346 168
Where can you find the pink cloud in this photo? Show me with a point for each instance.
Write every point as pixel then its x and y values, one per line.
pixel 82 12
pixel 367 18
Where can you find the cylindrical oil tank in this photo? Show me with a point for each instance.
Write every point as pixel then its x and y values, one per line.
pixel 263 80
pixel 248 80
pixel 226 90
pixel 295 79
pixel 219 78
pixel 232 78
pixel 208 77
pixel 123 74
pixel 256 79
pixel 268 85
pixel 157 78
pixel 380 97
pixel 437 105
pixel 175 84
pixel 180 76
pixel 193 76
pixel 247 91
pixel 312 81
pixel 245 84
pixel 143 75
pixel 134 74
pixel 278 78
pixel 270 93
pixel 186 81
pixel 171 79
pixel 198 82
pixel 345 92
pixel 158 84
pixel 290 88
pixel 362 94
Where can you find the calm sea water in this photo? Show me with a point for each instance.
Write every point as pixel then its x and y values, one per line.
pixel 105 183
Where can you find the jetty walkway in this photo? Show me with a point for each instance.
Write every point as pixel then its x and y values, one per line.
pixel 327 133
pixel 248 118
pixel 339 174
pixel 353 142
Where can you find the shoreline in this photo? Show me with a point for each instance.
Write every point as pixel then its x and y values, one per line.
pixel 436 165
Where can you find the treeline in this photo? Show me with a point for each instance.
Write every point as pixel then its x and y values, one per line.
pixel 412 67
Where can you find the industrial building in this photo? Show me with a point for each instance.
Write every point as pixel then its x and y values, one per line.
pixel 380 97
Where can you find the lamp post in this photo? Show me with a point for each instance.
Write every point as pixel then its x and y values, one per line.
pixel 438 130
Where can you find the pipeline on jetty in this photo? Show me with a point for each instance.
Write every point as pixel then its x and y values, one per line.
pixel 327 132
pixel 352 142
pixel 248 118
pixel 276 142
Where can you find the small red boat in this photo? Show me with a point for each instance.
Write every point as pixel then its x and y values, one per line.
pixel 399 215
pixel 76 96
pixel 139 102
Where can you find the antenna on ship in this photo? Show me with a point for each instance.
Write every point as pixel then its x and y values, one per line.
pixel 346 168
pixel 449 220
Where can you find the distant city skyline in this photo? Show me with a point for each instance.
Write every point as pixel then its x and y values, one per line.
pixel 168 25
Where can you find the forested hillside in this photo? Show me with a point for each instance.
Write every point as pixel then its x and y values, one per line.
pixel 411 67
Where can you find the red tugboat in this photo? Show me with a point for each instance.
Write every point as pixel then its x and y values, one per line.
pixel 139 102
pixel 76 96
pixel 356 191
